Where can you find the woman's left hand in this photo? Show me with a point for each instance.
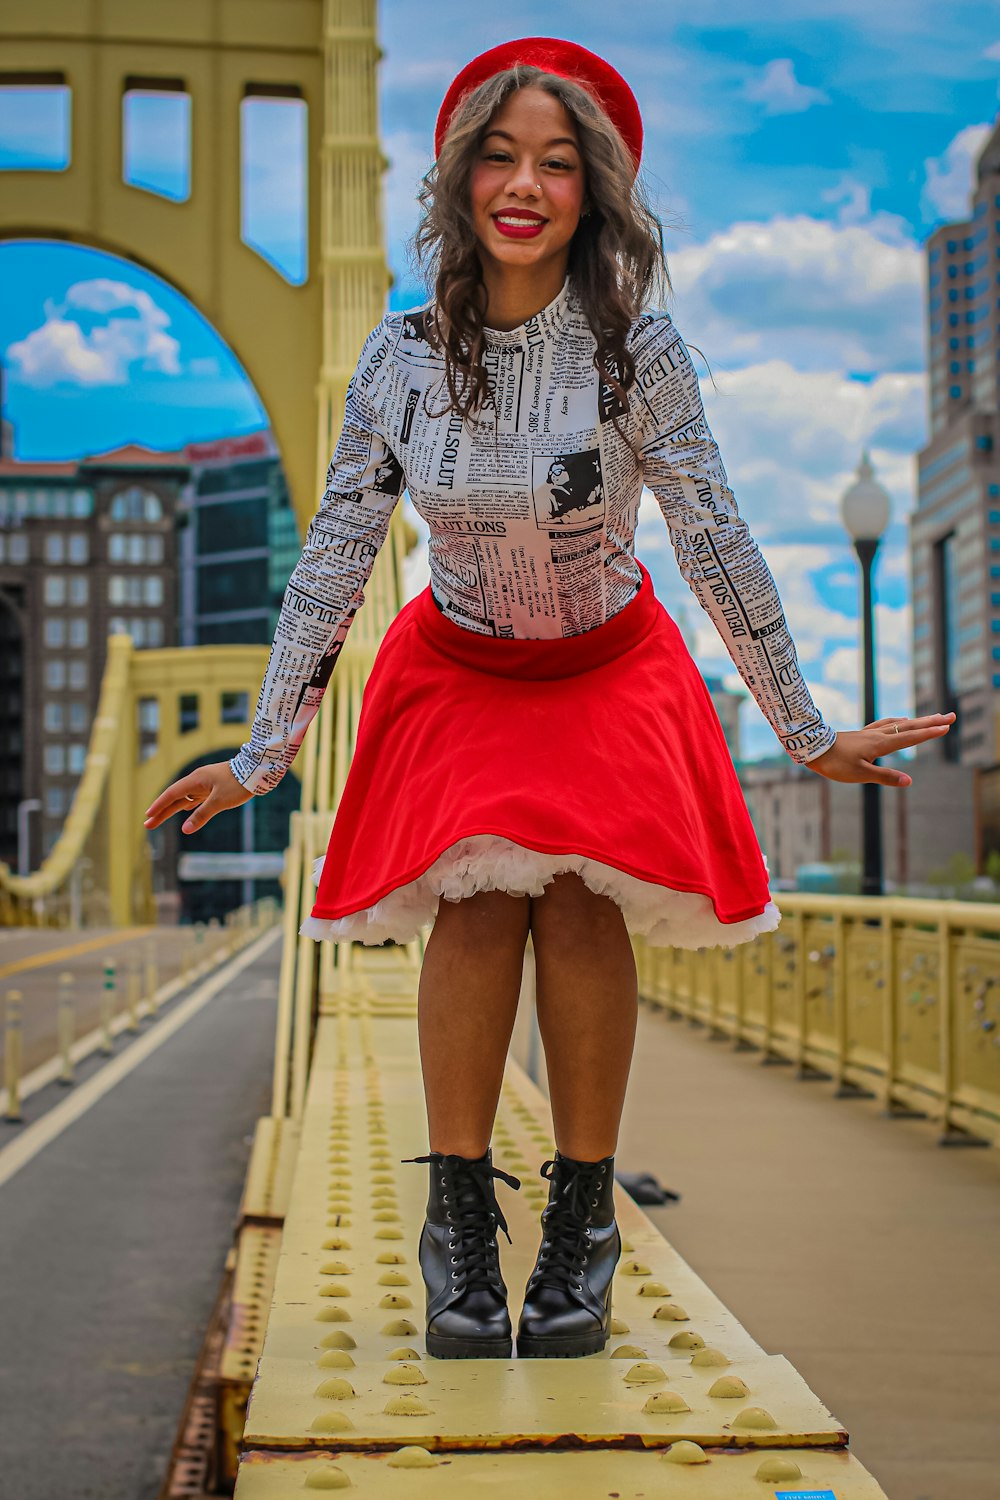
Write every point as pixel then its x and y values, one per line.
pixel 850 756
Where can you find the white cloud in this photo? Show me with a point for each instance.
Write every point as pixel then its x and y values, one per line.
pixel 791 442
pixel 95 336
pixel 777 88
pixel 824 296
pixel 842 667
pixel 949 177
pixel 416 71
pixel 854 197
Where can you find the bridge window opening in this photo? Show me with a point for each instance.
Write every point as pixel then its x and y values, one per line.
pixel 188 713
pixel 274 209
pixel 79 718
pixel 55 759
pixel 55 588
pixel 78 676
pixel 79 631
pixel 54 717
pixel 54 633
pixel 77 547
pixel 148 726
pixel 76 759
pixel 233 708
pixel 156 136
pixel 55 673
pixel 35 111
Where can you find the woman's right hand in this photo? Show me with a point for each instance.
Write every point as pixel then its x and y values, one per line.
pixel 202 794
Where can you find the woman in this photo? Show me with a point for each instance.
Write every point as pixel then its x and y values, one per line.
pixel 536 745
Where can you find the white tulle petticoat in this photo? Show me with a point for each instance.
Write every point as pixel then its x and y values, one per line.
pixel 487 862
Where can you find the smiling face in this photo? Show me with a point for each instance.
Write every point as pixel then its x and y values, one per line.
pixel 527 186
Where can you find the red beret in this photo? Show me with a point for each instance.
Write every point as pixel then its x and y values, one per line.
pixel 567 60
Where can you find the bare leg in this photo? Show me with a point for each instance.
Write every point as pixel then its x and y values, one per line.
pixel 587 1003
pixel 470 980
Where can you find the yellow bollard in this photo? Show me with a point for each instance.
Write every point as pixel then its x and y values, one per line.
pixel 66 1026
pixel 132 992
pixel 152 1006
pixel 203 939
pixel 109 1004
pixel 12 1054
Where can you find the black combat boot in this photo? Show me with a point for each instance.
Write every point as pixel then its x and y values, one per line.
pixel 567 1301
pixel 467 1315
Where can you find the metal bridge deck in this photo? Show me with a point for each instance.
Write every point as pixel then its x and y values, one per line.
pixel 343 1383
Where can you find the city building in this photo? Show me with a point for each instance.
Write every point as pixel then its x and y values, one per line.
pixel 239 542
pixel 955 525
pixel 802 818
pixel 87 549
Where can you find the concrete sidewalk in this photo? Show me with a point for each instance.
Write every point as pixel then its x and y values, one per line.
pixel 112 1247
pixel 854 1245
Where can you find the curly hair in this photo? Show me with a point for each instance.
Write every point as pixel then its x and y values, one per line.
pixel 616 256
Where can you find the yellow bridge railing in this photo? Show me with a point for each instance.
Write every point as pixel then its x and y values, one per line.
pixel 898 997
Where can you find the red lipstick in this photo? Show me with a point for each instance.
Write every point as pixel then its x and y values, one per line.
pixel 519 224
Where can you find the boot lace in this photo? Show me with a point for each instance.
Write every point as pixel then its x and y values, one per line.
pixel 473 1215
pixel 566 1236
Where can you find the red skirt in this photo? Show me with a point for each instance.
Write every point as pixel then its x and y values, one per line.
pixel 486 764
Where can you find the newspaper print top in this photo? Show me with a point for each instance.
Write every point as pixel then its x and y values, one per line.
pixel 532 508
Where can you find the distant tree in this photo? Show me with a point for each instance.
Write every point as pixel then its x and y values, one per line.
pixel 955 876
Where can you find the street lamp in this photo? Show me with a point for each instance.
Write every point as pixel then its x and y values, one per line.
pixel 865 510
pixel 24 807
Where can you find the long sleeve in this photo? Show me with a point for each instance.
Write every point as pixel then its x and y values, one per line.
pixel 326 587
pixel 715 551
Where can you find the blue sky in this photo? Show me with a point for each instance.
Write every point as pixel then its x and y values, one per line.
pixel 798 160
